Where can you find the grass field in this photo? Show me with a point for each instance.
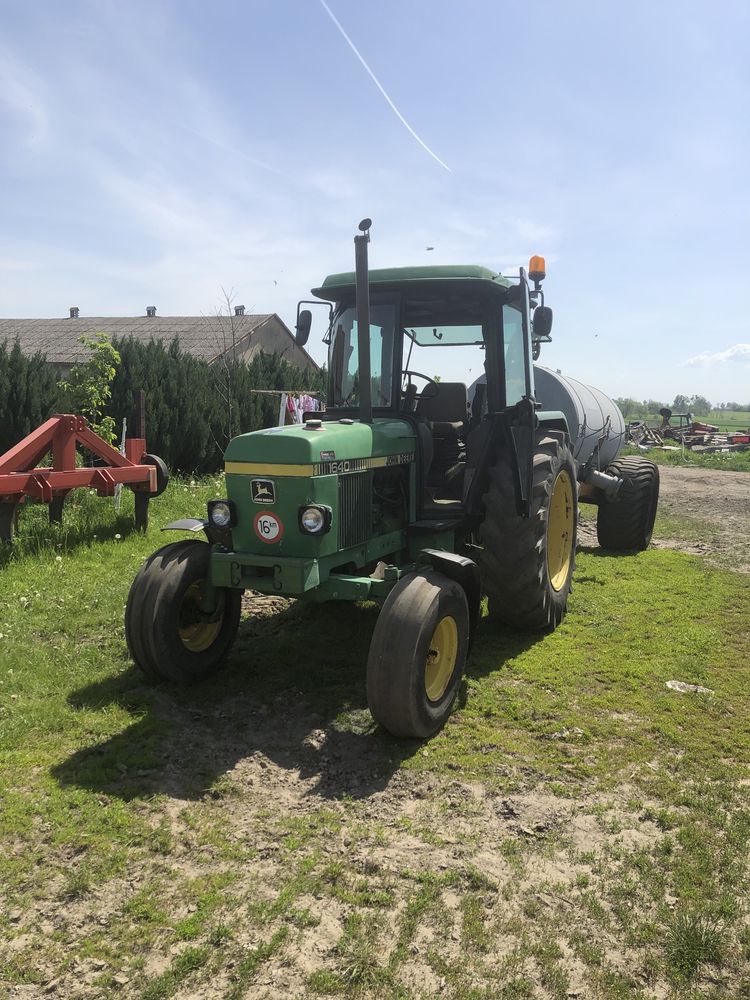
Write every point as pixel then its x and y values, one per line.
pixel 577 829
pixel 728 420
pixel 738 461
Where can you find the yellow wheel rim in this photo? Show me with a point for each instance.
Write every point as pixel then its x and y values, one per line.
pixel 195 632
pixel 441 658
pixel 560 531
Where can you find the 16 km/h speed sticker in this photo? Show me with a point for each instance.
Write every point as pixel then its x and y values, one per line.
pixel 268 527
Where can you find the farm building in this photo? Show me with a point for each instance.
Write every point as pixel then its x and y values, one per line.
pixel 210 338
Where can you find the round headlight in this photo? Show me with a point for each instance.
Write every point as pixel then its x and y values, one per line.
pixel 313 520
pixel 221 514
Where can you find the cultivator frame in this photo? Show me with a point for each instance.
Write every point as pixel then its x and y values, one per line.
pixel 20 479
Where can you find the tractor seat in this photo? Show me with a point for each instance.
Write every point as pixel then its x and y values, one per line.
pixel 447 410
pixel 446 416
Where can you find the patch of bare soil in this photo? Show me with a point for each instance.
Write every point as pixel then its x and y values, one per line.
pixel 711 503
pixel 382 831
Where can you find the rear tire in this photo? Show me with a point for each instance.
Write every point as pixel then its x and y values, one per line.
pixel 626 523
pixel 417 655
pixel 168 635
pixel 527 564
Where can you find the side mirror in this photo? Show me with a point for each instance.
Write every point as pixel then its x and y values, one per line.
pixel 302 329
pixel 542 322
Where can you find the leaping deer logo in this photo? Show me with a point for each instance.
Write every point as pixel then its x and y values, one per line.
pixel 263 492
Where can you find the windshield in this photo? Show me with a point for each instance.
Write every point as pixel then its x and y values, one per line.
pixel 455 320
pixel 343 355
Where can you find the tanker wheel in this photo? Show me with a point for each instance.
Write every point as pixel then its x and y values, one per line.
pixel 417 654
pixel 626 523
pixel 527 563
pixel 168 635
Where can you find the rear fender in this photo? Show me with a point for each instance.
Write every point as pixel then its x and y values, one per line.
pixel 554 422
pixel 465 572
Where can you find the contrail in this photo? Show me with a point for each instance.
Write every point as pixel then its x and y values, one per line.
pixel 380 87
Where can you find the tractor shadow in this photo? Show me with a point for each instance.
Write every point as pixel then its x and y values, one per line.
pixel 293 693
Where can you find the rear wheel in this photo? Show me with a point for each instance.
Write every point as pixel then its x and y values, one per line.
pixel 626 523
pixel 527 563
pixel 417 655
pixel 169 635
pixel 162 473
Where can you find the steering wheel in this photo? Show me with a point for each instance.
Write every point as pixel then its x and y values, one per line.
pixel 427 378
pixel 411 396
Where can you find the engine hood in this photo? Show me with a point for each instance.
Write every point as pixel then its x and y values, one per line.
pixel 302 449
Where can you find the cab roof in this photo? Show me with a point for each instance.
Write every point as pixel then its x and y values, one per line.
pixel 342 286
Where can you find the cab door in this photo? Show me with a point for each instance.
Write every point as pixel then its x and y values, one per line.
pixel 518 377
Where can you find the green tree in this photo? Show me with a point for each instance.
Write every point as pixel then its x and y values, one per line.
pixel 681 404
pixel 699 405
pixel 631 408
pixel 89 385
pixel 652 406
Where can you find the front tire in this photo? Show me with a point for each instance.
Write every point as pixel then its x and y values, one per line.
pixel 417 655
pixel 168 635
pixel 527 564
pixel 626 523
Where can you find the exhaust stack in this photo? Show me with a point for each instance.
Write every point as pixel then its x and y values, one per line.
pixel 363 320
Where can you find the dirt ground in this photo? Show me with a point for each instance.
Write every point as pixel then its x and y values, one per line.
pixel 704 512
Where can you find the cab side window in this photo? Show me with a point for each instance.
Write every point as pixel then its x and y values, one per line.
pixel 514 355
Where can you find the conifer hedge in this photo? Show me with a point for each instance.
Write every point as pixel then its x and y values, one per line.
pixel 188 401
pixel 28 393
pixel 192 408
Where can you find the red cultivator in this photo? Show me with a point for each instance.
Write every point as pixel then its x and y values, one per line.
pixel 146 474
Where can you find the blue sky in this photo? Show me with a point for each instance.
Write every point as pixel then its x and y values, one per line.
pixel 153 153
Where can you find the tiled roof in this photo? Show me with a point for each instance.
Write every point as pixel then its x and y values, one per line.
pixel 203 336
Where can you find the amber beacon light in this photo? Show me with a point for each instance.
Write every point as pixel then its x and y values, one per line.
pixel 537 269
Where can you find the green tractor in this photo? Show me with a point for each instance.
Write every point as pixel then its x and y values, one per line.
pixel 415 493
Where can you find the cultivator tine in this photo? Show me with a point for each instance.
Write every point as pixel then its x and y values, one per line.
pixel 141 511
pixel 8 521
pixel 56 510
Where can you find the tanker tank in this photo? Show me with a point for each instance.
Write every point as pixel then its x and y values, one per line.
pixel 590 414
pixel 592 417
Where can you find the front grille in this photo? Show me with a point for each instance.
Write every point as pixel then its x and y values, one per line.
pixel 354 509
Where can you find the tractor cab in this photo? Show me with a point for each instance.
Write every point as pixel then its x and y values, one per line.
pixel 425 325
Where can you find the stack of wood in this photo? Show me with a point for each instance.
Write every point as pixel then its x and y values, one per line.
pixel 640 433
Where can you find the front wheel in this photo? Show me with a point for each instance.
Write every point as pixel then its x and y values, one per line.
pixel 169 634
pixel 417 654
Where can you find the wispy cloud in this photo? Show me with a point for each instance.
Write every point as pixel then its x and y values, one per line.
pixel 381 88
pixel 738 354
